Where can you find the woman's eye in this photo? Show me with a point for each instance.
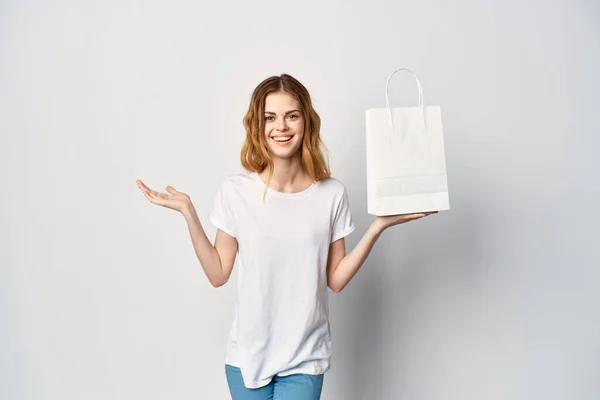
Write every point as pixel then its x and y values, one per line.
pixel 272 118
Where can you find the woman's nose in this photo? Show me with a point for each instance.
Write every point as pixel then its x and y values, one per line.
pixel 281 125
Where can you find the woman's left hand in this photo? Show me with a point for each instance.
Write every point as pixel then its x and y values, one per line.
pixel 385 222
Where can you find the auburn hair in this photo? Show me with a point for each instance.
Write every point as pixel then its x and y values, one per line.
pixel 254 155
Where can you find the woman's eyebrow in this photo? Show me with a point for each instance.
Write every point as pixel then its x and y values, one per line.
pixel 288 112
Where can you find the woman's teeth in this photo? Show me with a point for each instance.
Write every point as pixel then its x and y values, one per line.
pixel 282 139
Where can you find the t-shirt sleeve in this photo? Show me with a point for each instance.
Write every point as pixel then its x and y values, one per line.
pixel 343 225
pixel 220 215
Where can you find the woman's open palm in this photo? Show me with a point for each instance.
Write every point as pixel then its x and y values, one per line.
pixel 174 200
pixel 391 220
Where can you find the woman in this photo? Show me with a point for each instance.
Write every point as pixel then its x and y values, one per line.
pixel 286 218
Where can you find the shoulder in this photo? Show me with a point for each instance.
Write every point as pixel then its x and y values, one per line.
pixel 238 182
pixel 333 188
pixel 333 184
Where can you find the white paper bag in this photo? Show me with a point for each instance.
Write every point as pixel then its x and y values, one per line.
pixel 406 162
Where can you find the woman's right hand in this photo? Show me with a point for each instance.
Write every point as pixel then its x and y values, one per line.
pixel 175 200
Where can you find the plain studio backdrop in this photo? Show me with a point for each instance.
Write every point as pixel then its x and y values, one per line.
pixel 101 294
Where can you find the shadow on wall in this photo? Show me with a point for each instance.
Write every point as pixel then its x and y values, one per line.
pixel 438 257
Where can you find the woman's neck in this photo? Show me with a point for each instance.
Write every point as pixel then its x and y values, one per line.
pixel 288 176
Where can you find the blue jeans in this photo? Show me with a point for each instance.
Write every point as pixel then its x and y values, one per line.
pixel 291 387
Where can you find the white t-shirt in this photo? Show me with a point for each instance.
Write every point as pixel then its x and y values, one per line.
pixel 281 321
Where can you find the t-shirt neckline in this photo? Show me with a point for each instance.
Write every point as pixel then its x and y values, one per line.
pixel 272 191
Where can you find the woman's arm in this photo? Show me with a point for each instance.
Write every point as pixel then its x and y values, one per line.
pixel 342 267
pixel 217 261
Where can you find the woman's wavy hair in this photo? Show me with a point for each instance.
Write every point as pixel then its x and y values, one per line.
pixel 254 155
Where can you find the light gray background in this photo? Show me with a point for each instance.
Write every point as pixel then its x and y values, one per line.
pixel 101 294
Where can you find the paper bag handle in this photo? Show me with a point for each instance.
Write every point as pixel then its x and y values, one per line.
pixel 387 100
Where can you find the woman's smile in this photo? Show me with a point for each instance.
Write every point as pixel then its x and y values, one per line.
pixel 282 140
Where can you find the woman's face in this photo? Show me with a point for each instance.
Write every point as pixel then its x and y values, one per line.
pixel 284 125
